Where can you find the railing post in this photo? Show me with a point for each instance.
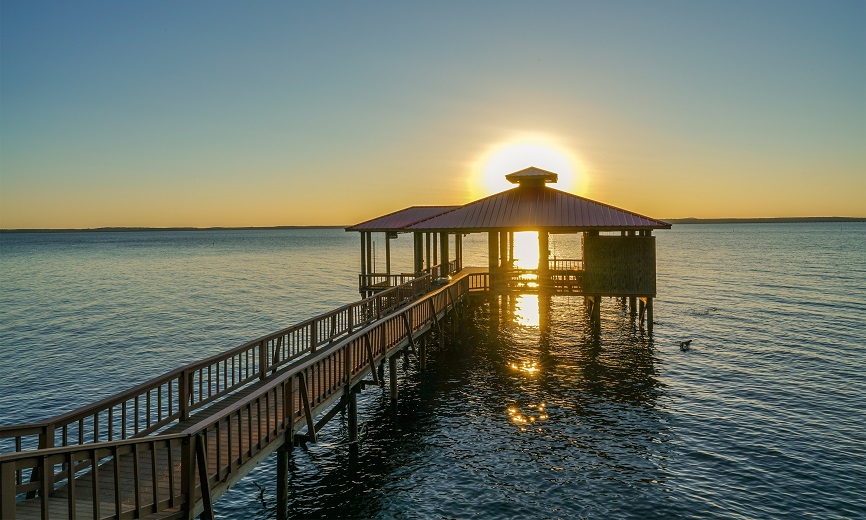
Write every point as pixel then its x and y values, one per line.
pixel 187 475
pixel 263 359
pixel 184 394
pixel 7 490
pixel 313 335
pixel 46 438
pixel 203 480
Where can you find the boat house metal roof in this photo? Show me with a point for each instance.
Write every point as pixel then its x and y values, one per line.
pixel 529 206
pixel 399 220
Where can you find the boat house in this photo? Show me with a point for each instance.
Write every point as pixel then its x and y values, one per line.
pixel 618 254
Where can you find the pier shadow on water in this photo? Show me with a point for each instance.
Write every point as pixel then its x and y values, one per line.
pixel 523 414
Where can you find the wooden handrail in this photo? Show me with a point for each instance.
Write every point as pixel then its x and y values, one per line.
pixel 161 401
pixel 351 351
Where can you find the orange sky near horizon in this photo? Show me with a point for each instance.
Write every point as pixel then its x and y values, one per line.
pixel 162 115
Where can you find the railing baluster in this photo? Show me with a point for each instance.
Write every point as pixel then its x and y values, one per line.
pixel 118 502
pixel 94 488
pixel 153 478
pixel 136 476
pixel 172 496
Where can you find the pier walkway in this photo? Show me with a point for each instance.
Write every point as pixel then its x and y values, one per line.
pixel 170 447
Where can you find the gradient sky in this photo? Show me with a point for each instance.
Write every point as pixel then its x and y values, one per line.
pixel 287 113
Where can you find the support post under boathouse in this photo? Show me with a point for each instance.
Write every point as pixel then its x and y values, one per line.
pixel 617 259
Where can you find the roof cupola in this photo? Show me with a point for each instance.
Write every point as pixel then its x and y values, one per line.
pixel 532 176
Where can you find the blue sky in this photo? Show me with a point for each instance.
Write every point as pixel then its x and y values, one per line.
pixel 281 113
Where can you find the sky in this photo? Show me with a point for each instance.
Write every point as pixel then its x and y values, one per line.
pixel 225 113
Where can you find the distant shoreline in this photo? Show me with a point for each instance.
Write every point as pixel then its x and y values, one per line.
pixel 140 229
pixel 772 220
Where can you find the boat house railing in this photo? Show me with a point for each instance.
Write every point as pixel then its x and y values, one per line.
pixel 373 282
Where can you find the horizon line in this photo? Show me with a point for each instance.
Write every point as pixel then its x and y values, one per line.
pixel 685 220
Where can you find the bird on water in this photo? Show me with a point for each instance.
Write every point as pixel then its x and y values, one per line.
pixel 685 345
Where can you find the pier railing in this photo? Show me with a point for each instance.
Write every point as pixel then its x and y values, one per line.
pixel 382 281
pixel 166 399
pixel 130 478
pixel 565 264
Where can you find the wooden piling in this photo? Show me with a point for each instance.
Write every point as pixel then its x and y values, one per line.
pixel 649 314
pixel 352 411
pixel 392 377
pixel 283 454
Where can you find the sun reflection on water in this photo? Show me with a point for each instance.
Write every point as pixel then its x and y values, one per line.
pixel 536 413
pixel 529 367
pixel 526 310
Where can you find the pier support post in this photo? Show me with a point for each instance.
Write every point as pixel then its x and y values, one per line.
pixel 632 306
pixel 352 409
pixel 443 246
pixel 283 453
pixel 388 255
pixel 493 257
pixel 642 310
pixel 594 303
pixel 435 255
pixel 543 255
pixel 649 315
pixel 392 378
pixel 503 250
pixel 422 352
pixel 427 250
pixel 364 271
pixel 369 250
pixel 418 249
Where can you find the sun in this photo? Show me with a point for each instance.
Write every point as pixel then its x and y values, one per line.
pixel 521 152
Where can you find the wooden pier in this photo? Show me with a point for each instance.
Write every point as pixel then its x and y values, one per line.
pixel 169 448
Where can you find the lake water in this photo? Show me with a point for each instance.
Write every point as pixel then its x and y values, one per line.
pixel 525 414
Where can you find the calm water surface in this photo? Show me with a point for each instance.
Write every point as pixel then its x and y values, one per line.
pixel 524 415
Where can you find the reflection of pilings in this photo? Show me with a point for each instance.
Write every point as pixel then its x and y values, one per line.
pixel 544 322
pixel 593 307
pixel 646 313
pixel 493 319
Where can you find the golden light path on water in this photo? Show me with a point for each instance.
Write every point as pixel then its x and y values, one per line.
pixel 527 315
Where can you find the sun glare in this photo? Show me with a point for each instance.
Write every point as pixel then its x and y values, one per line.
pixel 526 249
pixel 531 150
